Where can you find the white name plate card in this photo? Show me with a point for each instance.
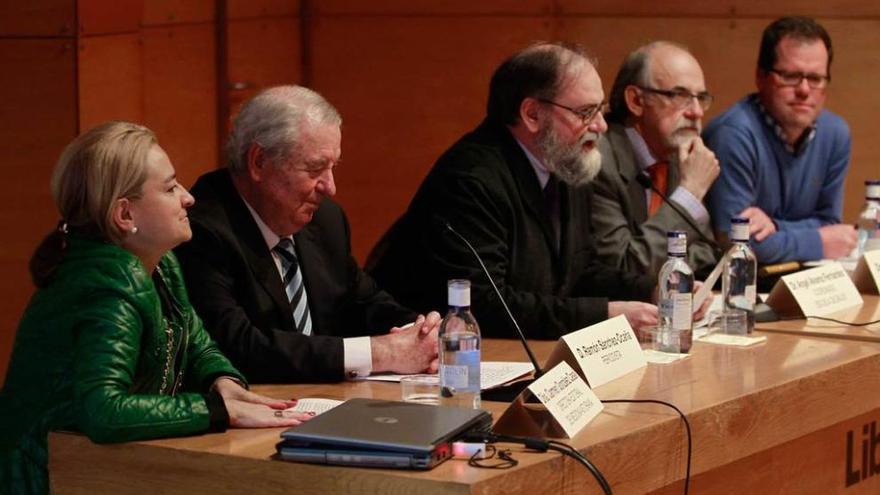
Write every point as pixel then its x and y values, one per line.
pixel 602 352
pixel 567 398
pixel 867 273
pixel 815 292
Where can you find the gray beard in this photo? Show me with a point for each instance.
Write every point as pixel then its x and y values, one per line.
pixel 569 163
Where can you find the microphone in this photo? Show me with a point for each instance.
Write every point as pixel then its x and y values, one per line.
pixel 509 392
pixel 645 181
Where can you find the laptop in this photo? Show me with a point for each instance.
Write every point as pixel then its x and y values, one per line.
pixel 381 433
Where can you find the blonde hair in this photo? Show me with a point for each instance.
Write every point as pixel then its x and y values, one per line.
pixel 102 165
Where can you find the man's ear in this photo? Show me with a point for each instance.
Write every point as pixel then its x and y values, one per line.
pixel 256 162
pixel 635 100
pixel 121 216
pixel 529 114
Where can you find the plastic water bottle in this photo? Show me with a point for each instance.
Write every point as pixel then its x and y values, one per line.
pixel 738 289
pixel 869 218
pixel 460 350
pixel 675 332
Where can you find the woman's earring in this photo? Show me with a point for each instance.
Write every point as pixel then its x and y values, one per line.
pixel 134 230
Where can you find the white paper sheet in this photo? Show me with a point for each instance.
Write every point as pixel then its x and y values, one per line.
pixel 315 405
pixel 492 373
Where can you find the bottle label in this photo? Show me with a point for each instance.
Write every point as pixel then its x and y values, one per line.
pixel 679 310
pixel 455 376
pixel 751 294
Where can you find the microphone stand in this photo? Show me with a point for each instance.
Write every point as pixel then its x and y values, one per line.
pixel 506 393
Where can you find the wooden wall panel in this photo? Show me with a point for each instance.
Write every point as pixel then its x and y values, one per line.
pixel 38 18
pixel 110 79
pixel 249 9
pixel 852 9
pixel 261 53
pixel 180 95
pixel 109 16
pixel 855 68
pixel 407 88
pixel 37 119
pixel 446 7
pixel 161 12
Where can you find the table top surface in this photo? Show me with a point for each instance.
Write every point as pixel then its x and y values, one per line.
pixel 710 386
pixel 869 310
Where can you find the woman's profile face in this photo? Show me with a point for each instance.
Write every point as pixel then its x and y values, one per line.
pixel 160 212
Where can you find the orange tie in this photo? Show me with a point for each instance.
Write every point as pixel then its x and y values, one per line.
pixel 658 173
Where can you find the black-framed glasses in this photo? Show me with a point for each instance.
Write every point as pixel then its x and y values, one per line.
pixel 814 81
pixel 681 98
pixel 586 114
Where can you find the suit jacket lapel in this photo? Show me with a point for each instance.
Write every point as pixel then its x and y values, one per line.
pixel 628 169
pixel 255 251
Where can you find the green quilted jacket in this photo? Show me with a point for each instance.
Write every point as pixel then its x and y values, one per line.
pixel 96 353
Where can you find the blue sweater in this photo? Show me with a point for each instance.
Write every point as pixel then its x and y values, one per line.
pixel 800 192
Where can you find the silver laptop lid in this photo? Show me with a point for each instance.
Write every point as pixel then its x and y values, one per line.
pixel 388 425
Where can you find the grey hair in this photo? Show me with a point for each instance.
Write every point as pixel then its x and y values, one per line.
pixel 273 120
pixel 634 71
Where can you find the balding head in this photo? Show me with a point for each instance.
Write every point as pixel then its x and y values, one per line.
pixel 637 70
pixel 660 91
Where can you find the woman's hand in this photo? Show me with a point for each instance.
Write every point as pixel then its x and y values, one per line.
pixel 249 410
pixel 250 415
pixel 229 389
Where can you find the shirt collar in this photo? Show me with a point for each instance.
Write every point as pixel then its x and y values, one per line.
pixel 780 134
pixel 640 148
pixel 269 236
pixel 540 170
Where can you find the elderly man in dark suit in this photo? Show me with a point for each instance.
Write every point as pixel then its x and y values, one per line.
pixel 657 104
pixel 269 267
pixel 518 188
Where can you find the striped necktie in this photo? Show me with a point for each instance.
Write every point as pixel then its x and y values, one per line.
pixel 294 286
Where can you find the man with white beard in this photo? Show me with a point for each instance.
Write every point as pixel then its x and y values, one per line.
pixel 657 104
pixel 518 188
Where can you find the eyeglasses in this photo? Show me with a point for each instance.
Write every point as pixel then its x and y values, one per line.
pixel 681 98
pixel 814 81
pixel 586 114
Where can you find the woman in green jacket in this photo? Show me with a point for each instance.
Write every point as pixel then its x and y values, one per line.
pixel 109 344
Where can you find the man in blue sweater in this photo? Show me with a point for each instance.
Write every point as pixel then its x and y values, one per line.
pixel 783 158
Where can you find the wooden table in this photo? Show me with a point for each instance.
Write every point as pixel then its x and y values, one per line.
pixel 774 418
pixel 868 311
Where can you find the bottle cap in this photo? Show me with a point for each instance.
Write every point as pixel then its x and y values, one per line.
pixel 676 241
pixel 459 292
pixel 739 229
pixel 872 189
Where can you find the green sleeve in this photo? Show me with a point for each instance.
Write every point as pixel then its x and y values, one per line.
pixel 107 348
